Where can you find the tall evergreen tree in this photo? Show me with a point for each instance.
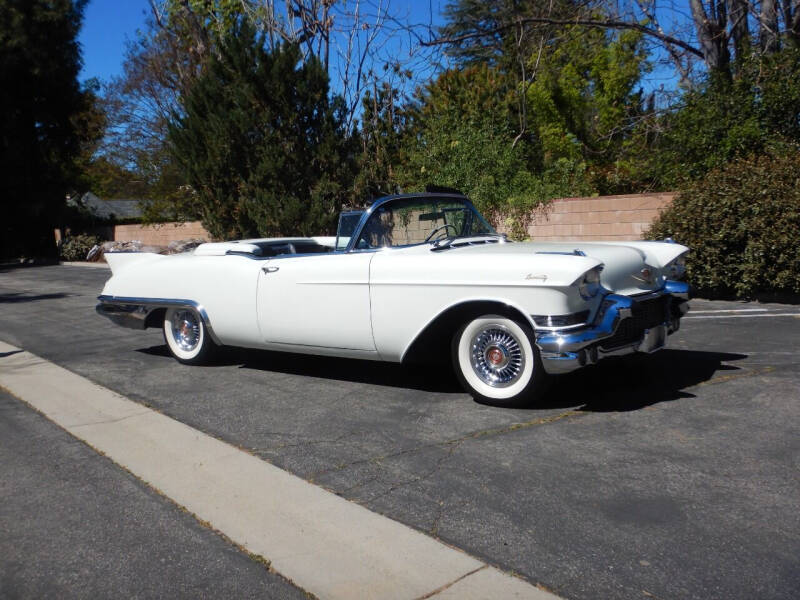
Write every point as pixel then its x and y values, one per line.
pixel 40 100
pixel 262 142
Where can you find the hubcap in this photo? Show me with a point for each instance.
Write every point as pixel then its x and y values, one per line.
pixel 185 329
pixel 496 356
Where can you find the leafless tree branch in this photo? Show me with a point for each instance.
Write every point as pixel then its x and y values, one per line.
pixel 602 23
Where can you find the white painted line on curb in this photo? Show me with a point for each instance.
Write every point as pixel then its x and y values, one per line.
pixel 729 310
pixel 797 314
pixel 325 544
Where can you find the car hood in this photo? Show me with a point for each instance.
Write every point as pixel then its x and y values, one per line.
pixel 628 268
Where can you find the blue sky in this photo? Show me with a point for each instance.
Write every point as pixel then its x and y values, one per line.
pixel 106 26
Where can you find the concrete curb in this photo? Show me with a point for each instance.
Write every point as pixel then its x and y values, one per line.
pixel 96 265
pixel 325 544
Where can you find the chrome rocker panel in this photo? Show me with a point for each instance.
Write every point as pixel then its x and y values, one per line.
pixel 570 349
pixel 132 313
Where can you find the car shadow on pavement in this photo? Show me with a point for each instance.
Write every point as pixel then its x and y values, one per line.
pixel 613 385
pixel 7 267
pixel 18 297
pixel 637 381
pixel 427 378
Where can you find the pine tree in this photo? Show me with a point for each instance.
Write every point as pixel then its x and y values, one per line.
pixel 262 142
pixel 40 100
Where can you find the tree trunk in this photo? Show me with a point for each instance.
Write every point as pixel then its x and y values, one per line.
pixel 737 16
pixel 768 26
pixel 711 34
pixel 791 19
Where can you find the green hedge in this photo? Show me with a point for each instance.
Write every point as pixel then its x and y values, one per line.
pixel 742 223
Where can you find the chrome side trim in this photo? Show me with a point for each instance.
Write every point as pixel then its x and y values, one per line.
pixel 132 312
pixel 575 252
pixel 582 315
pixel 561 328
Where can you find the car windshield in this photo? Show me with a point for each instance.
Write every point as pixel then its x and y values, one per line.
pixel 409 221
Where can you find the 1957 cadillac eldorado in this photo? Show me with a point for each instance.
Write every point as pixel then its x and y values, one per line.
pixel 414 277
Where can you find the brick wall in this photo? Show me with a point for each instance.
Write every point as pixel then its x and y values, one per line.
pixel 602 218
pixel 161 234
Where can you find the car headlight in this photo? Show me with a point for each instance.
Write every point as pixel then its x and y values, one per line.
pixel 590 283
pixel 677 268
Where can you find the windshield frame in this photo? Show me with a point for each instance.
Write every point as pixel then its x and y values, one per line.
pixel 404 197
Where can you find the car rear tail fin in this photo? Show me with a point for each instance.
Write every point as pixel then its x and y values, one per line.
pixel 122 260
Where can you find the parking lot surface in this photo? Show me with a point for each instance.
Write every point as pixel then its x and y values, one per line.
pixel 668 476
pixel 74 525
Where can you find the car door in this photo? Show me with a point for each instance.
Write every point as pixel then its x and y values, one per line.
pixel 317 300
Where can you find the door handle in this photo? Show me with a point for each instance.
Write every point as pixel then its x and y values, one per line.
pixel 269 269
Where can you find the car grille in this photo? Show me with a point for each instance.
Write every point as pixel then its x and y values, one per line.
pixel 644 315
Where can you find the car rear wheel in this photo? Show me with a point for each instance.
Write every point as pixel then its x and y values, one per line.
pixel 497 362
pixel 187 337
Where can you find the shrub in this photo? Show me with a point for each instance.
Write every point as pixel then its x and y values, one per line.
pixel 724 119
pixel 78 246
pixel 742 223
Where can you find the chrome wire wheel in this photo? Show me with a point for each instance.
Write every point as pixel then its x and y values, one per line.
pixel 185 329
pixel 496 356
pixel 186 336
pixel 496 360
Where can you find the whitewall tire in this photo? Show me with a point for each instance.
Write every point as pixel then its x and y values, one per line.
pixel 186 336
pixel 497 362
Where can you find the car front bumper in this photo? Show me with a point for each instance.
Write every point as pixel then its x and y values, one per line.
pixel 623 325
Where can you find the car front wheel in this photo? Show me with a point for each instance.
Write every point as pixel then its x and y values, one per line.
pixel 187 337
pixel 497 362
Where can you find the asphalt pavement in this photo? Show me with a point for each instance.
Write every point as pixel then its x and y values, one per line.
pixel 74 525
pixel 668 476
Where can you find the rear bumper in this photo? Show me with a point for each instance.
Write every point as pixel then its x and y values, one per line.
pixel 131 316
pixel 623 325
pixel 133 313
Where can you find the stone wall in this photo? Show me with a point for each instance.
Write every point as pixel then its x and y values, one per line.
pixel 618 218
pixel 161 234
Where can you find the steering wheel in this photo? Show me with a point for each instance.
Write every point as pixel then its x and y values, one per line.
pixel 440 228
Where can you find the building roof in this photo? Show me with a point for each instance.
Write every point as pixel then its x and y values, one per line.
pixel 107 209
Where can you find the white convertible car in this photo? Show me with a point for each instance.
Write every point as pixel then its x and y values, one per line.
pixel 414 277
